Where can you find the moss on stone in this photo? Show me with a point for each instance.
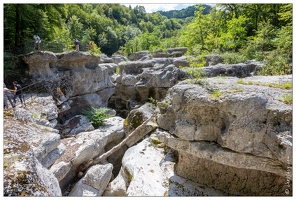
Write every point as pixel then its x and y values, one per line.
pixel 134 120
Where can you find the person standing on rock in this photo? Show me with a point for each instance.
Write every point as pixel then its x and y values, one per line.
pixel 76 42
pixel 17 92
pixel 7 96
pixel 37 41
pixel 90 45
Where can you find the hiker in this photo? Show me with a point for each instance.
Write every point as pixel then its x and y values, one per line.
pixel 7 96
pixel 90 45
pixel 37 42
pixel 17 92
pixel 76 42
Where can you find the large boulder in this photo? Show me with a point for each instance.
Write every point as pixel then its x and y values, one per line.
pixel 94 182
pixel 213 59
pixel 148 170
pixel 26 146
pixel 138 55
pixel 140 175
pixel 220 125
pixel 141 80
pixel 240 70
pixel 84 147
pixel 76 77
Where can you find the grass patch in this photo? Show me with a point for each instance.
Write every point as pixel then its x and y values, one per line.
pixel 96 116
pixel 216 94
pixel 287 98
pixel 286 85
pixel 239 89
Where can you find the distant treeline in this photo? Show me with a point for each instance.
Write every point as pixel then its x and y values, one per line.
pixel 185 12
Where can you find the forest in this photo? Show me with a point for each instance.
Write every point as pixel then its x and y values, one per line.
pixel 238 32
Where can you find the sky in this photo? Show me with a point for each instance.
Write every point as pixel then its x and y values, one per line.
pixel 160 7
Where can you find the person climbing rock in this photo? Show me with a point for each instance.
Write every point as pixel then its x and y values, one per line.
pixel 17 92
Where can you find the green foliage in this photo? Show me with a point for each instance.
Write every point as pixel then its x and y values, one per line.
pixel 195 73
pixel 35 115
pixel 186 12
pixel 277 63
pixel 238 89
pixel 166 102
pixel 215 94
pixel 236 34
pixel 285 85
pixel 251 29
pixel 233 58
pixel 197 62
pixel 287 98
pixel 152 102
pixel 96 116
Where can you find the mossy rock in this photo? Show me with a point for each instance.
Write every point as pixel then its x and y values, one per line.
pixel 133 120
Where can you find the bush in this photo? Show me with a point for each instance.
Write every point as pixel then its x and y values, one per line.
pixel 233 58
pixel 195 73
pixel 96 116
pixel 277 63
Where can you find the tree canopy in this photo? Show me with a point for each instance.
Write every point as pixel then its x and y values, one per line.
pixel 251 29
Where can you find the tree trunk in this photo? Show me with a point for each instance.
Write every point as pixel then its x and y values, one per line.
pixel 114 149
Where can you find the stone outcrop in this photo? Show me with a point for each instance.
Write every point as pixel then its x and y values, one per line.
pixel 83 147
pixel 240 70
pixel 140 80
pixel 94 182
pixel 141 175
pixel 148 170
pixel 207 137
pixel 75 77
pixel 75 125
pixel 233 137
pixel 29 149
pixel 213 59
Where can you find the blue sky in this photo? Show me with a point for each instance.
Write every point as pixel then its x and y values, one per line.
pixel 160 7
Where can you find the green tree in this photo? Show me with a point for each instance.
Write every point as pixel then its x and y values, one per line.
pixel 236 34
pixel 75 27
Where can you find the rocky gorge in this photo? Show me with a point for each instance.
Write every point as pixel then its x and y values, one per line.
pixel 229 134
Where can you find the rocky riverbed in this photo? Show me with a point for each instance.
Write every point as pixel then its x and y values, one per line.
pixel 229 134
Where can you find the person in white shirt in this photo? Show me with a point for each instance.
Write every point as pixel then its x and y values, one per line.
pixel 37 41
pixel 7 96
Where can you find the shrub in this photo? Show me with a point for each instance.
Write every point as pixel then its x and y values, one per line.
pixel 197 62
pixel 195 73
pixel 233 58
pixel 277 63
pixel 96 116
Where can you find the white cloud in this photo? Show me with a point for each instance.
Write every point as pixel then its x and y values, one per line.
pixel 160 7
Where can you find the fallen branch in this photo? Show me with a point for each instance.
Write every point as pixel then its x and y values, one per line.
pixel 115 148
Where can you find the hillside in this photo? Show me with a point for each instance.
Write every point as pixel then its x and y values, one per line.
pixel 184 13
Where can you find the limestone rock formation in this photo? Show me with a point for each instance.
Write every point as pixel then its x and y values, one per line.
pixel 75 125
pixel 142 172
pixel 94 182
pixel 207 137
pixel 74 77
pixel 26 146
pixel 83 147
pixel 140 80
pixel 226 131
pixel 148 170
pixel 240 70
